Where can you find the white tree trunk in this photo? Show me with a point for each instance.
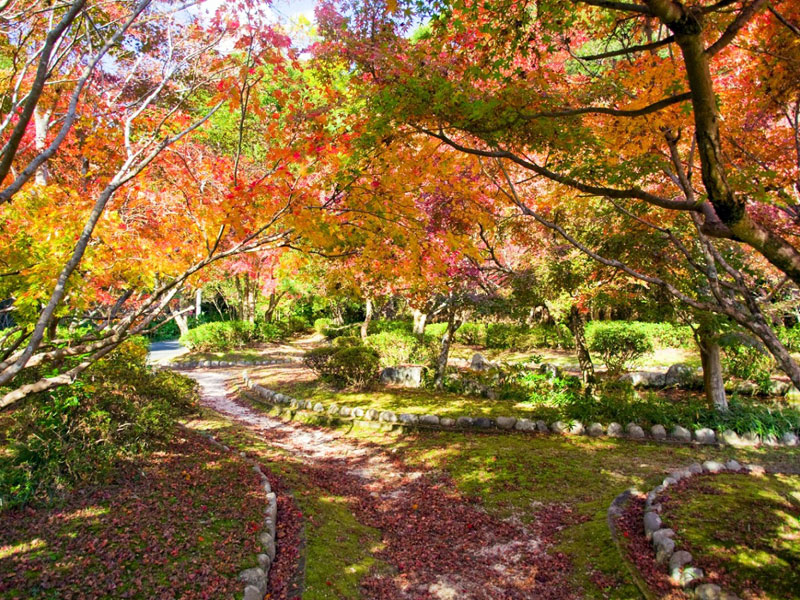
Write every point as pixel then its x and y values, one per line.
pixel 42 126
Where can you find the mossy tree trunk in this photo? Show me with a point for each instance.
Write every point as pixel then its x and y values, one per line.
pixel 577 327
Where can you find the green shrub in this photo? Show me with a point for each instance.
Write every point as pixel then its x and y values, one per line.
pixel 618 344
pixel 221 336
pixel 76 434
pixel 352 366
pixel 790 337
pixel 746 359
pixel 346 341
pixel 397 347
pixel 472 334
pixel 356 367
pixel 322 325
pixel 660 335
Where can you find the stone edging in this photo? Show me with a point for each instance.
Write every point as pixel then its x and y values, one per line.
pixel 255 579
pixel 679 561
pixel 633 431
pixel 205 364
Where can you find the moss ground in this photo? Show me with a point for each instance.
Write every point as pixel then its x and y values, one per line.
pixel 742 528
pixel 531 477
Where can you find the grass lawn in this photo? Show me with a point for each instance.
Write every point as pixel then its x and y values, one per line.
pixel 742 530
pixel 181 522
pixel 539 479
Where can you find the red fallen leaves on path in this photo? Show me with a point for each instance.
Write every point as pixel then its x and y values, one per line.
pixel 441 544
pixel 177 524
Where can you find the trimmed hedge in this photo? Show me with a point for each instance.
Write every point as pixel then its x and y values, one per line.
pixel 349 365
pixel 619 344
pixel 221 336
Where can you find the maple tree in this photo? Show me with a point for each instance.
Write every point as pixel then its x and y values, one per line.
pixel 650 107
pixel 138 196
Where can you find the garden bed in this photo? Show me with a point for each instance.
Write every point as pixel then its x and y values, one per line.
pixel 181 522
pixel 743 531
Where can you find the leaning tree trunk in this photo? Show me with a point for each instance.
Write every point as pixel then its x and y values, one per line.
pixel 337 314
pixel 180 321
pixel 419 322
pixel 713 382
pixel 444 354
pixel 577 328
pixel 367 318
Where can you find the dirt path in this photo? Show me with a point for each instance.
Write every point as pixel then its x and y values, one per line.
pixel 441 545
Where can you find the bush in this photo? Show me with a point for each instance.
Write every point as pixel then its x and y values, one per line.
pixel 618 344
pixel 346 341
pixel 322 325
pixel 294 324
pixel 790 337
pixel 397 347
pixel 660 335
pixel 353 366
pixel 76 434
pixel 523 338
pixel 746 359
pixel 472 334
pixel 222 336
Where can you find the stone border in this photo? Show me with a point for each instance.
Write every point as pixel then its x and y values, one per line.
pixel 657 433
pixel 680 561
pixel 205 364
pixel 255 579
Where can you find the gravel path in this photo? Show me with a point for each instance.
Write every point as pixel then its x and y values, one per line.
pixel 442 546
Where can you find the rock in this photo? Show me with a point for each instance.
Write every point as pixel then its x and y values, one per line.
pixel 634 431
pixel 595 430
pixel 679 474
pixel 712 466
pixel 255 577
pixel 746 388
pixel 668 481
pixel 678 560
pixel 523 425
pixel 576 428
pixel 708 591
pixel 789 439
pixel 408 419
pixel 430 420
pixel 319 407
pixel 251 592
pixel 552 371
pixel 680 434
pixel 333 409
pixel 681 375
pixel 751 438
pixel 559 427
pixel 409 376
pixel 268 542
pixel 447 422
pixel 614 429
pixel 695 468
pixel 664 550
pixel 733 465
pixel 479 363
pixel 658 432
pixel 263 562
pixel 506 422
pixel 660 535
pixel 464 422
pixel 371 414
pixel 483 423
pixel 770 440
pixel 345 411
pixel 779 388
pixel 793 393
pixel 688 575
pixel 644 379
pixel 731 438
pixel 652 523
pixel 388 416
pixel 357 412
pixel 756 470
pixel 705 436
pixel 542 427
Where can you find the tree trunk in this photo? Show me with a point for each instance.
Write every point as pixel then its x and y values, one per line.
pixel 577 328
pixel 251 300
pixel 444 354
pixel 367 318
pixel 336 312
pixel 419 322
pixel 712 372
pixel 198 304
pixel 52 327
pixel 274 299
pixel 42 126
pixel 180 321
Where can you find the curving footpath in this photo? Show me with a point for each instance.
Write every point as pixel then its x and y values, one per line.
pixel 441 545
